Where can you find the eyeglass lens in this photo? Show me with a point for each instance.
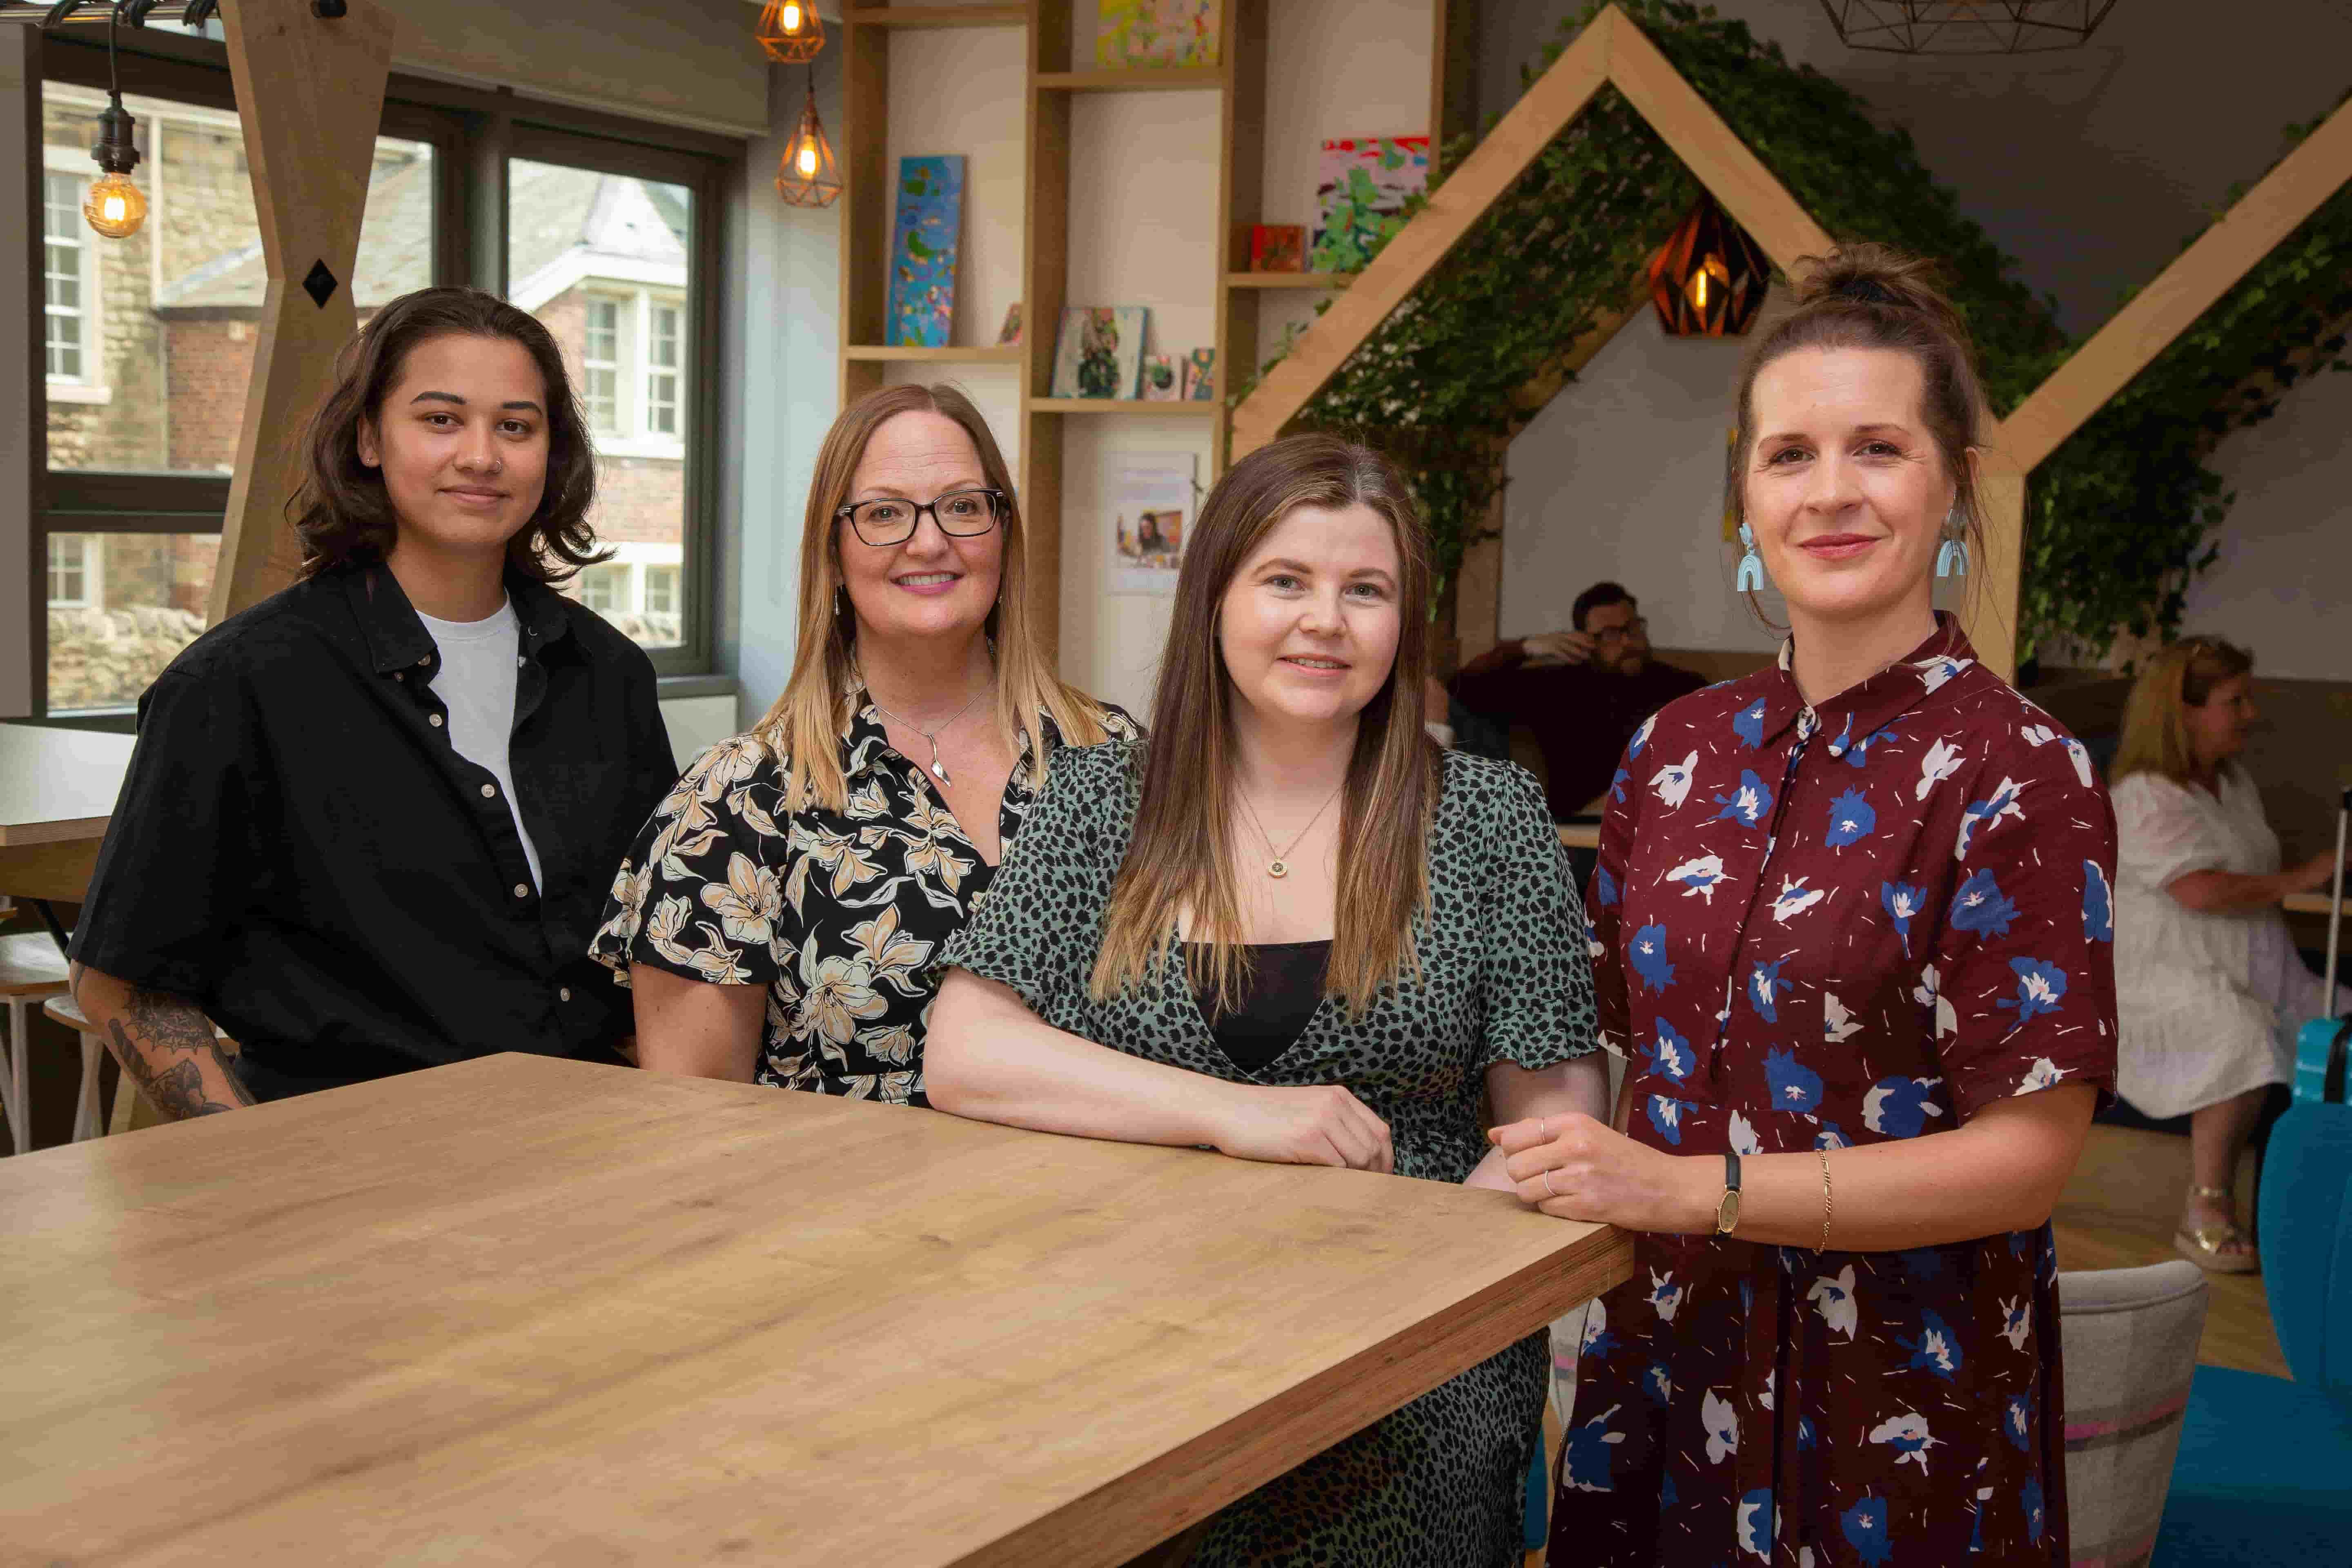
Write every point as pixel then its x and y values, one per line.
pixel 960 512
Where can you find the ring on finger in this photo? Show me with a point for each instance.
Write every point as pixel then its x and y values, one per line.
pixel 1548 1186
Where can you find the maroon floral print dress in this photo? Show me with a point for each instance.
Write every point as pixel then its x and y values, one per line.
pixel 1817 928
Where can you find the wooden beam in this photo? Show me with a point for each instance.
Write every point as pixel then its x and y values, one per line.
pixel 1241 202
pixel 1542 113
pixel 1712 151
pixel 1046 274
pixel 1989 610
pixel 2183 291
pixel 311 93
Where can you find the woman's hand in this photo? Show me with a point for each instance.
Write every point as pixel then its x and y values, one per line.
pixel 1575 1167
pixel 1320 1125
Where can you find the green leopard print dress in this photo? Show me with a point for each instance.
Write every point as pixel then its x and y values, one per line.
pixel 1507 977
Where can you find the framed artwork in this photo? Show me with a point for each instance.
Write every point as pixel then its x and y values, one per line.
pixel 1161 381
pixel 925 238
pixel 1099 353
pixel 1152 507
pixel 1200 376
pixel 1155 33
pixel 1361 196
pixel 1008 336
pixel 1277 247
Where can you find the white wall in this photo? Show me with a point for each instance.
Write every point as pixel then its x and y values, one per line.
pixel 2092 166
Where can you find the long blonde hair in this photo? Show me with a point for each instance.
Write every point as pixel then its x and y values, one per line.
pixel 805 726
pixel 1180 858
pixel 2179 677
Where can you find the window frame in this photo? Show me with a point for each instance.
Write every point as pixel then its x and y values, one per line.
pixel 59 163
pixel 473 132
pixel 92 568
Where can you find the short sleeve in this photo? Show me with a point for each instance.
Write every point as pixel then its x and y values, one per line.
pixel 175 878
pixel 1038 926
pixel 2025 958
pixel 1538 979
pixel 2161 837
pixel 702 893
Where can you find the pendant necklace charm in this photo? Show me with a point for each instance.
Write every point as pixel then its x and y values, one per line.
pixel 931 734
pixel 1278 864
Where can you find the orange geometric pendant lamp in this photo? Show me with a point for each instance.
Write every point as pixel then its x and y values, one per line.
pixel 1709 279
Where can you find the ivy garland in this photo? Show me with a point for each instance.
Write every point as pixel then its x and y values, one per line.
pixel 2116 518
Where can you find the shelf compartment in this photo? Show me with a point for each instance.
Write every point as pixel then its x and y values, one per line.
pixel 939 16
pixel 1164 78
pixel 1180 409
pixel 950 355
pixel 1288 280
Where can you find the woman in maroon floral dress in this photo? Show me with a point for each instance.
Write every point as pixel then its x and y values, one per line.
pixel 1853 920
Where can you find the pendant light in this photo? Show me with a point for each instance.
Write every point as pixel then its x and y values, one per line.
pixel 115 207
pixel 790 31
pixel 808 176
pixel 1709 279
pixel 1966 27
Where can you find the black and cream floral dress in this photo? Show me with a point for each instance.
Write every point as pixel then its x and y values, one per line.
pixel 837 913
pixel 1505 977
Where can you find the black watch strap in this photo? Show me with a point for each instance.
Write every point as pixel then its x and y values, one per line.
pixel 1731 1170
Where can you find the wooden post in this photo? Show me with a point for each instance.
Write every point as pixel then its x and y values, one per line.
pixel 311 93
pixel 1990 609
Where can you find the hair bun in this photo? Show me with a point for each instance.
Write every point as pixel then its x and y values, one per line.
pixel 1871 274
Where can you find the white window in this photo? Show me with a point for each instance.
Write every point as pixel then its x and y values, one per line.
pixel 65 279
pixel 600 361
pixel 73 571
pixel 661 590
pixel 663 347
pixel 605 589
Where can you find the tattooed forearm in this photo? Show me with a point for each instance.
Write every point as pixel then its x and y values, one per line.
pixel 167 1043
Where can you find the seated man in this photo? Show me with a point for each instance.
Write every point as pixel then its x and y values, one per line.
pixel 1582 693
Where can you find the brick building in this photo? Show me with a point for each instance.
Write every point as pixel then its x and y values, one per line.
pixel 150 345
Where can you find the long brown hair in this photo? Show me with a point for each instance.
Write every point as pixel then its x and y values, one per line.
pixel 1181 859
pixel 803 728
pixel 341 509
pixel 1866 296
pixel 2156 714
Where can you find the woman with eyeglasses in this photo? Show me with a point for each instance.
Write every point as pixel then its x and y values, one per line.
pixel 2209 988
pixel 777 916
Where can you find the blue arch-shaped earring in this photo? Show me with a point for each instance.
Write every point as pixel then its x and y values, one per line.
pixel 1751 566
pixel 1952 560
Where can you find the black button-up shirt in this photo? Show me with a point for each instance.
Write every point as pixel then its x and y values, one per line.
pixel 299 850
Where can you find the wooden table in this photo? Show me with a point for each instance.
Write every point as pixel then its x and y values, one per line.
pixel 58 789
pixel 2311 903
pixel 522 1310
pixel 1579 835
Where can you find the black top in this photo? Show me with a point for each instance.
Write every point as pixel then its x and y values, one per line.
pixel 299 850
pixel 1581 717
pixel 1285 986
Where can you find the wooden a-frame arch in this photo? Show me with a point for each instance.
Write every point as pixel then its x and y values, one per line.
pixel 1613 50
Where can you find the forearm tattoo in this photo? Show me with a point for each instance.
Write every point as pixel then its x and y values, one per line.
pixel 163 1041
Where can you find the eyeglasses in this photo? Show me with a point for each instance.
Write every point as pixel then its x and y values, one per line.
pixel 963 513
pixel 1619 633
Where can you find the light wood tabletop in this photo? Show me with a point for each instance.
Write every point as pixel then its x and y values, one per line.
pixel 528 1311
pixel 57 789
pixel 1579 835
pixel 2308 903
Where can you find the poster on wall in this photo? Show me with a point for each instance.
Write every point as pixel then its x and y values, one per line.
pixel 1360 195
pixel 1155 33
pixel 1150 508
pixel 924 240
pixel 1099 353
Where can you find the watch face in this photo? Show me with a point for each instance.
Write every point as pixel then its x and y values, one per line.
pixel 1726 1214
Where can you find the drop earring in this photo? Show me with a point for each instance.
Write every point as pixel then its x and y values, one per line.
pixel 1952 560
pixel 1751 566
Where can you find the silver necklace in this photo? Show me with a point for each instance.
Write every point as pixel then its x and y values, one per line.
pixel 1279 865
pixel 932 734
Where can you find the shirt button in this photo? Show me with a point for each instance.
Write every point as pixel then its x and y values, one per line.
pixel 490 792
pixel 426 659
pixel 400 675
pixel 522 889
pixel 563 994
pixel 436 720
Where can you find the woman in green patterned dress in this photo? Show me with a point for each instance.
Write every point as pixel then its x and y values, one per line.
pixel 1290 928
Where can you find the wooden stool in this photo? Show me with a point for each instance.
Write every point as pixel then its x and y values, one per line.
pixel 132 1110
pixel 32 970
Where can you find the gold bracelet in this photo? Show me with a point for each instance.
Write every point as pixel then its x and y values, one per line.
pixel 1826 1202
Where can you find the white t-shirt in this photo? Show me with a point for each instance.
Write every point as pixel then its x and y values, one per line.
pixel 477 683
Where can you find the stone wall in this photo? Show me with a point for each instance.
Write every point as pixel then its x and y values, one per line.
pixel 105 658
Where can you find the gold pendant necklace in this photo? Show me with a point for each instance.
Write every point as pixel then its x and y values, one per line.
pixel 933 735
pixel 1279 865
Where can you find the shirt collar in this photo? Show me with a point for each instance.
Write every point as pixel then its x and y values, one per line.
pixel 1856 716
pixel 397 638
pixel 864 740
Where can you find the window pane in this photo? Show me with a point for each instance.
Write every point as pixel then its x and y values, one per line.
pixel 150 377
pixel 604 260
pixel 121 607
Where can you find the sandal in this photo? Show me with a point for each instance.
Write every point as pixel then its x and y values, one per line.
pixel 2204 1244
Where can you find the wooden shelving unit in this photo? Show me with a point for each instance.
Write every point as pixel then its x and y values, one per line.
pixel 1288 280
pixel 1166 78
pixel 1179 408
pixel 881 353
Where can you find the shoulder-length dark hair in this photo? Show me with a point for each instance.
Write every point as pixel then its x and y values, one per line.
pixel 340 510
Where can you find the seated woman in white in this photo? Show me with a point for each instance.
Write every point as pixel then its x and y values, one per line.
pixel 2209 988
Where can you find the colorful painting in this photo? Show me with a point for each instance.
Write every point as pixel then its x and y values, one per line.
pixel 1161 381
pixel 1155 33
pixel 924 242
pixel 1099 353
pixel 1200 376
pixel 1360 199
pixel 1008 336
pixel 1152 501
pixel 1277 247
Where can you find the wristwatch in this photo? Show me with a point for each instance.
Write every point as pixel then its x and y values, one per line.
pixel 1727 1213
